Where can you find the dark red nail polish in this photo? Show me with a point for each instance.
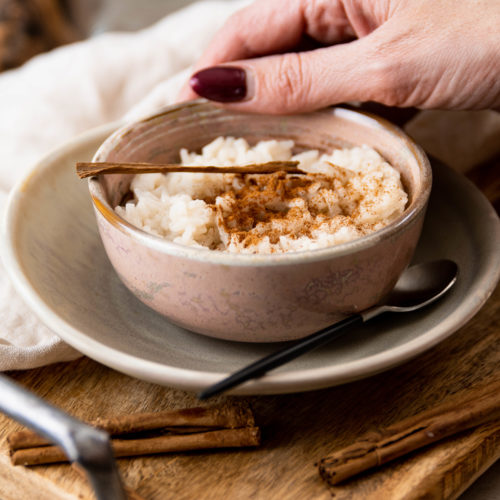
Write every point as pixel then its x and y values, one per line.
pixel 220 83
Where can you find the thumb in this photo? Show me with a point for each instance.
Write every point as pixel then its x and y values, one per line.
pixel 298 82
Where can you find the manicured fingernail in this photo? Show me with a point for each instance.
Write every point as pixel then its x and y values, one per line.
pixel 220 83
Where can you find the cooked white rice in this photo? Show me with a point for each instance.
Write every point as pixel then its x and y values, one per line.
pixel 345 195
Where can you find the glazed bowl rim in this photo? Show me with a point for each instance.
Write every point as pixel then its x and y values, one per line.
pixel 164 246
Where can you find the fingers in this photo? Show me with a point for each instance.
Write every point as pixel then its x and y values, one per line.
pixel 269 27
pixel 262 28
pixel 298 82
pixel 405 56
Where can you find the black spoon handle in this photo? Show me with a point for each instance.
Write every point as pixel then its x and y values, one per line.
pixel 281 357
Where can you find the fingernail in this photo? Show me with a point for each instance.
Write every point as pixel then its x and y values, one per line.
pixel 220 83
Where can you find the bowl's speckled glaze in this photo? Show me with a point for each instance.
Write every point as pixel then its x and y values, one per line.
pixel 257 298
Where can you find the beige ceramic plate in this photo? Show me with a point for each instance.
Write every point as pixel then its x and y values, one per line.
pixel 54 255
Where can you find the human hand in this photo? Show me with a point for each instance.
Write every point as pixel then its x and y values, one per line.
pixel 425 53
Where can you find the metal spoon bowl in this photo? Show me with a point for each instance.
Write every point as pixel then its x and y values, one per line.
pixel 419 286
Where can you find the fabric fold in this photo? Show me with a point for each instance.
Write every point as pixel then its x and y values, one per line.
pixel 60 94
pixel 56 96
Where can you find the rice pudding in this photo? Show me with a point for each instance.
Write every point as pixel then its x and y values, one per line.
pixel 346 194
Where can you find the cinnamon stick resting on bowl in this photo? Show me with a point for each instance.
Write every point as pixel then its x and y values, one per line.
pixel 89 169
pixel 151 433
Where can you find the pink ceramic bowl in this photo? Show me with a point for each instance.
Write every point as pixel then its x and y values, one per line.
pixel 257 298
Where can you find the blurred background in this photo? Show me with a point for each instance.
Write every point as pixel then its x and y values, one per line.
pixel 129 15
pixel 29 27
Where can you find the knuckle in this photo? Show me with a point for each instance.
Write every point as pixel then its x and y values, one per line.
pixel 390 85
pixel 232 27
pixel 385 86
pixel 238 18
pixel 291 83
pixel 324 20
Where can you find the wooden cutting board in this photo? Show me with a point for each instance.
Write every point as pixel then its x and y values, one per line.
pixel 298 429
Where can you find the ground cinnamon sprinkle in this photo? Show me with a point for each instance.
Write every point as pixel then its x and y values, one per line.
pixel 345 195
pixel 268 207
pixel 267 201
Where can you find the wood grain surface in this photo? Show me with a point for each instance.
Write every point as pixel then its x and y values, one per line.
pixel 297 430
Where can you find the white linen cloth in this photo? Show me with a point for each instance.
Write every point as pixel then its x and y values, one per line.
pixel 57 95
pixel 71 89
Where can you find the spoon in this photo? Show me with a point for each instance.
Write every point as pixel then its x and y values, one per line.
pixel 417 287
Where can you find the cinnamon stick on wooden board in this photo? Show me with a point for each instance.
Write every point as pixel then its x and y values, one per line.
pixel 377 448
pixel 180 421
pixel 89 169
pixel 176 430
pixel 224 438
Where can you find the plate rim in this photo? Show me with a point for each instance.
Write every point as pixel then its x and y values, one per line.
pixel 190 379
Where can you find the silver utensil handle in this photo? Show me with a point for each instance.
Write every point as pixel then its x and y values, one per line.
pixel 89 447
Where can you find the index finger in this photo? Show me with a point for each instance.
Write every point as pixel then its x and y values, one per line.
pixel 272 26
pixel 262 28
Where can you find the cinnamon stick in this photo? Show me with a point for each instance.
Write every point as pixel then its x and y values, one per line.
pixel 180 421
pixel 377 448
pixel 89 169
pixel 225 438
